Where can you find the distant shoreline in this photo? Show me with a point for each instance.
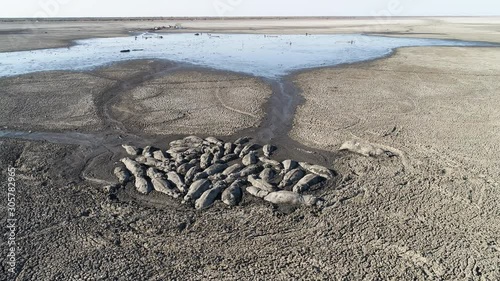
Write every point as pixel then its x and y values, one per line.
pixel 30 34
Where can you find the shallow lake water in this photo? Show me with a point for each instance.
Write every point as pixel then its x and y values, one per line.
pixel 260 55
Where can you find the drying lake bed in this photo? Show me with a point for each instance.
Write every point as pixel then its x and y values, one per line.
pixel 425 209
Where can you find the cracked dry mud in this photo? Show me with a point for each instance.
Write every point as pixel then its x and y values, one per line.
pixel 194 102
pixel 428 210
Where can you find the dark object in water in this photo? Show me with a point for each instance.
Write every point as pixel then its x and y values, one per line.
pixel 125 51
pixel 137 50
pixel 197 34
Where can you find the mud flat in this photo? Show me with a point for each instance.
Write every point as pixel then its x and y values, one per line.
pixel 51 101
pixel 194 102
pixel 437 101
pixel 436 108
pixel 142 96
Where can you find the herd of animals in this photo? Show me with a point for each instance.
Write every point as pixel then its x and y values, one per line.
pixel 200 171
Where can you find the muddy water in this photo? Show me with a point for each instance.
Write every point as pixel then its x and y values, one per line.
pixel 255 54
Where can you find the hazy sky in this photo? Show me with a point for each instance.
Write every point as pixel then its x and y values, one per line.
pixel 144 8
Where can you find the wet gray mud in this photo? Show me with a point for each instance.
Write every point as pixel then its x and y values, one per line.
pixel 281 108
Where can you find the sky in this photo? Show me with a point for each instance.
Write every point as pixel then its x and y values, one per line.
pixel 171 8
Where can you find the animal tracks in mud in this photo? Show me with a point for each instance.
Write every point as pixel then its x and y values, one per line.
pixel 432 268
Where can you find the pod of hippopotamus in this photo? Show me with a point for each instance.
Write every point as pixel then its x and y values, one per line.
pixel 200 171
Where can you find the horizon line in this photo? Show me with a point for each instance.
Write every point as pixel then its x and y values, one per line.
pixel 237 17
